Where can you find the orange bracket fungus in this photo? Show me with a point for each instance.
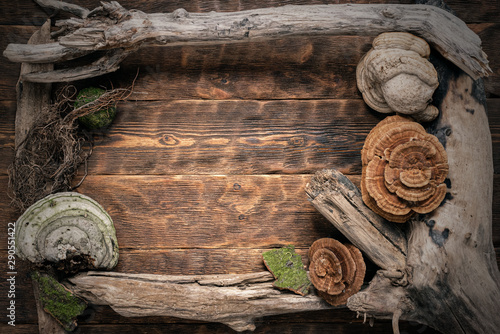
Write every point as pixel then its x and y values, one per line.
pixel 404 168
pixel 336 270
pixel 395 76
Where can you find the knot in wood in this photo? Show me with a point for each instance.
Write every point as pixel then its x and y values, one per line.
pixel 180 13
pixel 391 13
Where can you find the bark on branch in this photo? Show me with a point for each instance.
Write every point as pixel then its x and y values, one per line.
pixel 113 27
pixel 235 300
pixel 32 97
pixel 339 200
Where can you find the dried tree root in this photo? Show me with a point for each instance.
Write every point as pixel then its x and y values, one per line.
pixel 49 156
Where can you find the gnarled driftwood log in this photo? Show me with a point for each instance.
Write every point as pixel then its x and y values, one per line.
pixel 120 31
pixel 234 300
pixel 450 280
pixel 32 97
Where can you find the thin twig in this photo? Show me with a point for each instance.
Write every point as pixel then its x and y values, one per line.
pixel 86 168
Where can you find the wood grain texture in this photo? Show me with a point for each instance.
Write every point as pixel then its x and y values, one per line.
pixel 233 137
pixel 190 211
pixel 261 70
pixel 7 134
pixel 169 212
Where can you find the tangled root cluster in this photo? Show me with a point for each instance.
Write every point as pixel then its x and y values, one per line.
pixel 48 159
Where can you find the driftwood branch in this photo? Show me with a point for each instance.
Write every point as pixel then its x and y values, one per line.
pixel 64 6
pixel 106 64
pixel 112 26
pixel 32 97
pixel 235 300
pixel 339 200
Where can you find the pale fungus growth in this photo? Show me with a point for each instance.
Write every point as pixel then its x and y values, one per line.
pixel 404 168
pixel 395 76
pixel 337 271
pixel 68 228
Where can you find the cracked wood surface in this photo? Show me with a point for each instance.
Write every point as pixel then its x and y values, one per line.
pixel 339 200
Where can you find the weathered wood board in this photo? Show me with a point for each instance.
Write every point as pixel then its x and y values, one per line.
pixel 205 166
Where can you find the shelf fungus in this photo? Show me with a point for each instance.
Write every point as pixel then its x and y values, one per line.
pixel 70 230
pixel 102 112
pixel 337 271
pixel 395 76
pixel 404 168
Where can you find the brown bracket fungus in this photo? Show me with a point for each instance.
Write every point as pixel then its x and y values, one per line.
pixel 395 76
pixel 67 228
pixel 336 270
pixel 404 168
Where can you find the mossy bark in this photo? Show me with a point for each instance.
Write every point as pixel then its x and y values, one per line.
pixel 59 302
pixel 288 269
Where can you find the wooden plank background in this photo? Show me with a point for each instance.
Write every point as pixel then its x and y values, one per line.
pixel 205 165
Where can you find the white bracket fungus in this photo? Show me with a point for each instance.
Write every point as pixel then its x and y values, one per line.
pixel 395 76
pixel 61 226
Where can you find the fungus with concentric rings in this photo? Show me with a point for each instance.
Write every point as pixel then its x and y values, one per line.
pixel 404 168
pixel 68 228
pixel 337 271
pixel 395 76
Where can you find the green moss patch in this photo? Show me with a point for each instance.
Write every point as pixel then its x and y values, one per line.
pixel 98 119
pixel 286 266
pixel 58 301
